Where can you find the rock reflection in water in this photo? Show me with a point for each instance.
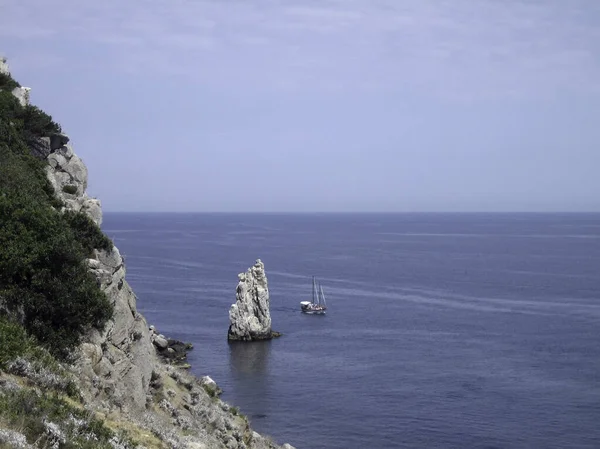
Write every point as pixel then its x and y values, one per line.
pixel 249 365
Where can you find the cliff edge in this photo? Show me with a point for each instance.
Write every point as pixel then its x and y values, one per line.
pixel 119 378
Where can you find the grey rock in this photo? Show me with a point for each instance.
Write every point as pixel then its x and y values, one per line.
pixel 94 264
pixel 92 352
pixel 38 374
pixel 195 445
pixel 110 259
pixel 57 160
pixel 65 150
pixel 250 317
pixel 211 387
pixel 14 439
pixel 161 342
pixel 77 170
pixel 207 380
pixel 39 148
pixel 4 69
pixel 8 385
pixel 22 94
pixel 58 140
pixel 93 209
pixel 56 437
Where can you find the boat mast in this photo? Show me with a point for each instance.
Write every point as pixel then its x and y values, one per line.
pixel 313 289
pixel 322 295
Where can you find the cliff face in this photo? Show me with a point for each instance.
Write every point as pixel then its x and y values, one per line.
pixel 118 371
pixel 116 364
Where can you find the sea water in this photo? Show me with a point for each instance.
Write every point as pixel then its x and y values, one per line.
pixel 443 330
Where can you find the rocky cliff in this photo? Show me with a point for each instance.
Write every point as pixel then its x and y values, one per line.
pixel 249 316
pixel 118 372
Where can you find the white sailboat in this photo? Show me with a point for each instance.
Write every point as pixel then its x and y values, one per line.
pixel 317 306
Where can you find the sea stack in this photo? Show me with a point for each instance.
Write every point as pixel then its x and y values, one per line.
pixel 250 317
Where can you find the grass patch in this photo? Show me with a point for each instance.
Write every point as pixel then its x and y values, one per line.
pixel 50 421
pixel 210 389
pixel 44 370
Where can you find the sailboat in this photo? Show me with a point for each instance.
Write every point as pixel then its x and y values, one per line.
pixel 317 306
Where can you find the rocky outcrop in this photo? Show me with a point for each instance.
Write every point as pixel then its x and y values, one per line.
pixel 116 364
pixel 4 69
pixel 125 372
pixel 68 175
pixel 250 317
pixel 170 350
pixel 22 94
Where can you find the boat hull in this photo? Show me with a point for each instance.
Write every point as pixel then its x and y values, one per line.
pixel 314 312
pixel 311 308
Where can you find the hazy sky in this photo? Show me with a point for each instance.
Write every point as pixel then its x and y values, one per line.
pixel 302 105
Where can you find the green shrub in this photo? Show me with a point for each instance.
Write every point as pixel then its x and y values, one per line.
pixel 7 82
pixel 30 121
pixel 13 341
pixel 211 390
pixel 70 189
pixel 43 269
pixel 37 122
pixel 87 232
pixel 27 411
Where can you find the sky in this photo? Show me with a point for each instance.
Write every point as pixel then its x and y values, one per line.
pixel 330 105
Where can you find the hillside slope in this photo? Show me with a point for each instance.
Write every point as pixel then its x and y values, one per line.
pixel 79 365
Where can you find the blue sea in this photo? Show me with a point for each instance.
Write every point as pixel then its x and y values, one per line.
pixel 443 330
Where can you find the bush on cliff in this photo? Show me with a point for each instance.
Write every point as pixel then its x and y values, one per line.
pixel 43 269
pixel 87 232
pixel 7 82
pixel 13 341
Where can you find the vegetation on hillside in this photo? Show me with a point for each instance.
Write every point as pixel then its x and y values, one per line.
pixel 7 82
pixel 51 421
pixel 44 277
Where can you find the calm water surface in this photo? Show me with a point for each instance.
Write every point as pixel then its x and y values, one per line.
pixel 444 330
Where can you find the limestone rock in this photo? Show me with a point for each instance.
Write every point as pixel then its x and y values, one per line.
pixel 39 147
pixel 161 341
pixel 4 69
pixel 93 209
pixel 68 175
pixel 210 385
pixel 171 350
pixel 250 318
pixel 22 94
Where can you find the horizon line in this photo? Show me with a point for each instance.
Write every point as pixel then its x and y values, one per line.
pixel 357 212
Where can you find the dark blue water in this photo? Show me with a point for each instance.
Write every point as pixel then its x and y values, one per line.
pixel 444 330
